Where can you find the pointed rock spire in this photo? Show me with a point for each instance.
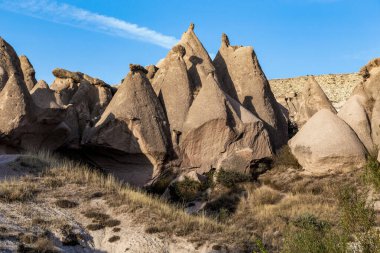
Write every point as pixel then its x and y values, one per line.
pixel 134 123
pixel 241 76
pixel 311 100
pixel 219 131
pixel 172 85
pixel 28 72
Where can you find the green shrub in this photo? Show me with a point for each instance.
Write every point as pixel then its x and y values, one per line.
pixel 285 158
pixel 372 172
pixel 186 190
pixel 231 178
pixel 356 225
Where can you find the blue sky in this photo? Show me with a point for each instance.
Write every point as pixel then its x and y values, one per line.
pixel 101 37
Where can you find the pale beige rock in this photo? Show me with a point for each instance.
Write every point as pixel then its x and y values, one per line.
pixel 217 128
pixel 355 115
pixel 198 61
pixel 44 97
pixel 87 96
pixel 22 123
pixel 310 101
pixel 241 76
pixel 327 145
pixel 173 87
pixel 28 72
pixel 134 123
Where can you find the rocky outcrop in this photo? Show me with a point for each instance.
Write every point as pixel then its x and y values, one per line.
pixel 327 145
pixel 87 96
pixel 198 61
pixel 44 97
pixel 355 115
pixel 134 123
pixel 173 87
pixel 242 78
pixel 22 123
pixel 28 72
pixel 310 101
pixel 222 135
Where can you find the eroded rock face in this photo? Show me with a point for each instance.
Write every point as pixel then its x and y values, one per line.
pixel 45 97
pixel 134 123
pixel 198 61
pixel 173 87
pixel 22 123
pixel 87 96
pixel 219 132
pixel 310 101
pixel 241 76
pixel 354 114
pixel 327 145
pixel 28 72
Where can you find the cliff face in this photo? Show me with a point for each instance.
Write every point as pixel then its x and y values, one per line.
pixel 338 87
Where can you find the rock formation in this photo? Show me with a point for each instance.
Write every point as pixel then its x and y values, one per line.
pixel 28 72
pixel 218 129
pixel 310 101
pixel 22 123
pixel 327 145
pixel 354 114
pixel 134 123
pixel 242 78
pixel 87 96
pixel 173 87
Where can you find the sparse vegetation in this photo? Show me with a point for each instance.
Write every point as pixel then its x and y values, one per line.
pixel 17 191
pixel 285 158
pixel 186 190
pixel 65 203
pixel 372 171
pixel 231 178
pixel 114 239
pixel 95 226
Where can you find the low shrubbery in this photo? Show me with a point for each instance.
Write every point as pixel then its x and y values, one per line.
pixel 354 231
pixel 231 178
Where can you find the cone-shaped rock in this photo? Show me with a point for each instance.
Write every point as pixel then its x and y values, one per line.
pixel 9 63
pixel 198 61
pixel 219 132
pixel 173 87
pixel 327 145
pixel 355 115
pixel 310 101
pixel 134 123
pixel 28 72
pixel 241 76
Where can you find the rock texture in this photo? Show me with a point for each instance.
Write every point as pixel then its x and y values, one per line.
pixel 327 145
pixel 87 96
pixel 241 77
pixel 134 123
pixel 355 115
pixel 173 87
pixel 22 123
pixel 225 131
pixel 28 72
pixel 304 105
pixel 338 87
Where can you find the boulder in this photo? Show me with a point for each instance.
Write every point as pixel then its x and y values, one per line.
pixel 134 123
pixel 355 115
pixel 218 132
pixel 241 77
pixel 327 145
pixel 310 101
pixel 28 72
pixel 172 86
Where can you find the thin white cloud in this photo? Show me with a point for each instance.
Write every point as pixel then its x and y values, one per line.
pixel 71 15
